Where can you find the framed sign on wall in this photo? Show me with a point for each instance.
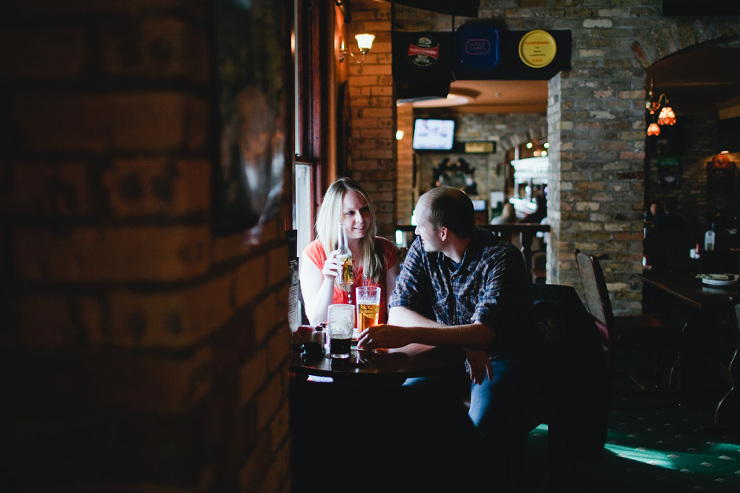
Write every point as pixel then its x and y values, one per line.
pixel 721 175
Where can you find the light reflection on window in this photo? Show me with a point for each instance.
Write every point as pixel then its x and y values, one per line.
pixel 302 208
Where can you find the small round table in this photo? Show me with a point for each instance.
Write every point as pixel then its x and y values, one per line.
pixel 384 366
pixel 366 413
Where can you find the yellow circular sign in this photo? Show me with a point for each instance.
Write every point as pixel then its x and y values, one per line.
pixel 537 48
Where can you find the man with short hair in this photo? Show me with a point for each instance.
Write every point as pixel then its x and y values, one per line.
pixel 463 286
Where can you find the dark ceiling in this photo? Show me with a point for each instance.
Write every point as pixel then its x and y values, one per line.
pixel 701 77
pixel 694 79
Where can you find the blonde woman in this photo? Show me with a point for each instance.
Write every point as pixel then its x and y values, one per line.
pixel 375 259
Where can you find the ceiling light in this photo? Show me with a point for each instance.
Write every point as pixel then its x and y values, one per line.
pixel 450 100
pixel 457 96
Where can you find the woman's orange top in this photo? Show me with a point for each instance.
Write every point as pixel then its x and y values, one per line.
pixel 315 252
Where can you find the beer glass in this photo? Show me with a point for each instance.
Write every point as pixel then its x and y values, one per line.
pixel 340 324
pixel 368 306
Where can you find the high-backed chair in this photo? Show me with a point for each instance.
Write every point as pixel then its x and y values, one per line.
pixel 726 413
pixel 575 388
pixel 650 332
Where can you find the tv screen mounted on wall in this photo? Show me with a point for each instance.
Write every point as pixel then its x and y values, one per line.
pixel 432 134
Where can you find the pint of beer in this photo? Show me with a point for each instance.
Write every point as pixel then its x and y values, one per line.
pixel 368 306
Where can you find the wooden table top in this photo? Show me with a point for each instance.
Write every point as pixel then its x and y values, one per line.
pixel 385 366
pixel 686 287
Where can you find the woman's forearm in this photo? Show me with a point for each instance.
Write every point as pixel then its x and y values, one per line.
pixel 317 305
pixel 317 290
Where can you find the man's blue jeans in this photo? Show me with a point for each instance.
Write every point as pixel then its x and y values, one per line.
pixel 497 409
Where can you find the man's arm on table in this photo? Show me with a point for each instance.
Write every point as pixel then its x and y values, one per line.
pixel 405 317
pixel 406 327
pixel 402 321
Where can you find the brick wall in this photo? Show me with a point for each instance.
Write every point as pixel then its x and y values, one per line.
pixel 595 120
pixel 407 191
pixel 139 352
pixel 374 112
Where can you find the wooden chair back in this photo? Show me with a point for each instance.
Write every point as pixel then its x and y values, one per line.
pixel 727 408
pixel 597 297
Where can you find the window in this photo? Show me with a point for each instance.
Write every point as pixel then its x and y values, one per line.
pixel 303 205
pixel 310 20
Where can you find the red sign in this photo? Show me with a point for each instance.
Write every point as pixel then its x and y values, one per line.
pixel 423 51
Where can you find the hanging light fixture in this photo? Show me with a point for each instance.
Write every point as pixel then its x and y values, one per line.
pixel 653 130
pixel 666 115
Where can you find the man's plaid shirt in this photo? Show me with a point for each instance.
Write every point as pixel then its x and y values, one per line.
pixel 489 286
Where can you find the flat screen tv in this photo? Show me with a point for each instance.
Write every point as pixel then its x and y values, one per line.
pixel 432 134
pixel 479 205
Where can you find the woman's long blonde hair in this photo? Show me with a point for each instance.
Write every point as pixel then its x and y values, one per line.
pixel 331 214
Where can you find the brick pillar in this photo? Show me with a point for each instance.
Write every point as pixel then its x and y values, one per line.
pixel 555 250
pixel 138 351
pixel 407 192
pixel 374 112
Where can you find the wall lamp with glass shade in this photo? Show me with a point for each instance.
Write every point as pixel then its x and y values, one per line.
pixel 653 130
pixel 364 42
pixel 666 115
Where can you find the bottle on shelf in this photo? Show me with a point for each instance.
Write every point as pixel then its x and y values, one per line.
pixel 709 239
pixel 695 253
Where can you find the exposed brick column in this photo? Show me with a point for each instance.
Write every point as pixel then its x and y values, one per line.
pixel 143 353
pixel 407 193
pixel 555 250
pixel 374 112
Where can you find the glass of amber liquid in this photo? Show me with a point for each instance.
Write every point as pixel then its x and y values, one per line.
pixel 368 306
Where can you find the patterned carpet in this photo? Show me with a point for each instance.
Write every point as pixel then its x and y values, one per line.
pixel 653 445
